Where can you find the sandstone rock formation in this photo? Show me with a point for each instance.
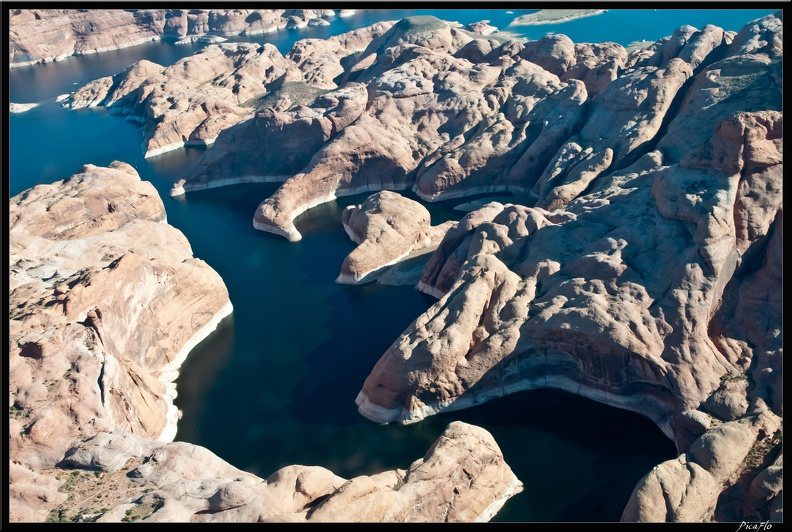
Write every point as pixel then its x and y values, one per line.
pixel 191 101
pixel 117 476
pixel 462 478
pixel 45 35
pixel 285 134
pixel 388 229
pixel 450 116
pixel 20 107
pixel 106 300
pixel 643 271
pixel 482 27
pixel 653 284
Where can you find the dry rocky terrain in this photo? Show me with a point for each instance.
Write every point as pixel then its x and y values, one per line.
pixel 106 301
pixel 643 270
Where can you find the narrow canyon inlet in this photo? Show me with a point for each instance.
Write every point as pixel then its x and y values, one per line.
pixel 391 265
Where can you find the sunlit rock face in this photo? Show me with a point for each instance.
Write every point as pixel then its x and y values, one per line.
pixel 647 275
pixel 45 35
pixel 388 228
pixel 643 270
pixel 106 301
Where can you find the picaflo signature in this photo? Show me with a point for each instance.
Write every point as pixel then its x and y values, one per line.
pixel 762 525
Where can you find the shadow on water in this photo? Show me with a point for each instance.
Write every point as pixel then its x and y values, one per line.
pixel 207 361
pixel 559 443
pixel 339 366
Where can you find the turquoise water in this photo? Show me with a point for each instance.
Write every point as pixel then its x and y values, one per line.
pixel 276 384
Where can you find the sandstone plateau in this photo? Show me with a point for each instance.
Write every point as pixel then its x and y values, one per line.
pixel 106 301
pixel 643 270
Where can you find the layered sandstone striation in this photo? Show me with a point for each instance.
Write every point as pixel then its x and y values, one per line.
pixel 388 228
pixel 106 301
pixel 45 35
pixel 646 275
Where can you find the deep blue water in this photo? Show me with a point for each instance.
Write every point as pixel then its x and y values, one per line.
pixel 276 384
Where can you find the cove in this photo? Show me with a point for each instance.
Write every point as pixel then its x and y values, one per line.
pixel 276 384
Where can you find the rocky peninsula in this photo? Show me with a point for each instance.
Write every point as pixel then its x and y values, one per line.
pixel 643 270
pixel 388 228
pixel 106 301
pixel 21 107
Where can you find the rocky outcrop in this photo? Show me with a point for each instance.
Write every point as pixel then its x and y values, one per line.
pixel 452 116
pixel 45 35
pixel 191 101
pixel 286 132
pixel 388 228
pixel 647 276
pixel 20 107
pixel 445 264
pixel 482 27
pixel 643 270
pixel 106 301
pixel 462 478
pixel 69 242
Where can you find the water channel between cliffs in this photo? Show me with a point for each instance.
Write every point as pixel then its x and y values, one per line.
pixel 276 384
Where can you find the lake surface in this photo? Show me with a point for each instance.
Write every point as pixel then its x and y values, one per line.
pixel 276 384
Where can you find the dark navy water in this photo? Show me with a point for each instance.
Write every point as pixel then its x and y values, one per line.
pixel 275 385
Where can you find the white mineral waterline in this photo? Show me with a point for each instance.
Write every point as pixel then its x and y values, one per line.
pixel 86 52
pixel 163 149
pixel 191 186
pixel 170 372
pixel 639 404
pixel 374 412
pixel 352 236
pixel 371 275
pixel 513 488
pixel 431 290
pixel 291 232
pixel 261 31
pixel 177 145
pixel 456 194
